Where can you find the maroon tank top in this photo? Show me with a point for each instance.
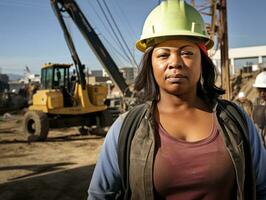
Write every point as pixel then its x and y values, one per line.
pixel 199 170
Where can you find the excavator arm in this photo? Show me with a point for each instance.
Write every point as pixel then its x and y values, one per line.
pixel 72 9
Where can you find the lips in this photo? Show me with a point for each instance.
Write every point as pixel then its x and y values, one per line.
pixel 176 78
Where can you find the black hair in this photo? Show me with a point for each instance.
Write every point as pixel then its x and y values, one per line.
pixel 206 88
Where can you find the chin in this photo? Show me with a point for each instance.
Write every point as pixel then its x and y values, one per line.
pixel 176 92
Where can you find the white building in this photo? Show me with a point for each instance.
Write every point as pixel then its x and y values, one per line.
pixel 129 73
pixel 254 56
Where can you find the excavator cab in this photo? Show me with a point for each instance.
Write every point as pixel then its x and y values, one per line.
pixel 55 76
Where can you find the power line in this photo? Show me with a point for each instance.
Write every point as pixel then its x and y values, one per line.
pixel 102 21
pixel 125 20
pixel 115 49
pixel 130 53
pixel 116 36
pixel 110 25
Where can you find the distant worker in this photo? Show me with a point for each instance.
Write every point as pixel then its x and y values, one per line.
pixel 58 74
pixel 73 79
pixel 57 78
pixel 245 103
pixel 73 76
pixel 259 109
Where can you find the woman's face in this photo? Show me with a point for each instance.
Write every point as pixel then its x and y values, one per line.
pixel 177 66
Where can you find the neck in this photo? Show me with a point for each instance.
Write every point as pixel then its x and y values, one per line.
pixel 169 102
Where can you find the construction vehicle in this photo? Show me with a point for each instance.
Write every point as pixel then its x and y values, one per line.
pixel 60 103
pixel 10 101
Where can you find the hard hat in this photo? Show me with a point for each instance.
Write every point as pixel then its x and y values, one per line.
pixel 241 95
pixel 170 19
pixel 260 81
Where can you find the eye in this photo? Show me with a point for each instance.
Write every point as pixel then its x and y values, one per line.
pixel 162 55
pixel 186 53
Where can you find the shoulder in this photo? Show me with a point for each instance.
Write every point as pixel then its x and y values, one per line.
pixel 114 130
pixel 228 110
pixel 116 126
pixel 226 105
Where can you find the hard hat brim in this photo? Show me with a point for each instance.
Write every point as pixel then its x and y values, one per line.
pixel 142 44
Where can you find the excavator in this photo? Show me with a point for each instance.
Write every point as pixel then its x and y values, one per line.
pixel 62 102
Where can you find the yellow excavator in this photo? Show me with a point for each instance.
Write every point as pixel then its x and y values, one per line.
pixel 63 101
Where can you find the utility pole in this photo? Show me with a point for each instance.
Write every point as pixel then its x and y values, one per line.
pixel 218 26
pixel 223 41
pixel 213 25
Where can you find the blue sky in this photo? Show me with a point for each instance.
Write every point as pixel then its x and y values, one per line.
pixel 30 34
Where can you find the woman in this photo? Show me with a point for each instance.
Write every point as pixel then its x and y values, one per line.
pixel 182 149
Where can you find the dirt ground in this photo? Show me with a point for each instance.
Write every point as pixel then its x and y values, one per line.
pixel 59 168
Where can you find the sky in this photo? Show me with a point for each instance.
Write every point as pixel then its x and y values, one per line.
pixel 30 34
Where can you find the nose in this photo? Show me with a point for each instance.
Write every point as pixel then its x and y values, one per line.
pixel 175 62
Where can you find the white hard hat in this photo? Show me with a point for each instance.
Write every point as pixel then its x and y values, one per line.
pixel 260 81
pixel 241 95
